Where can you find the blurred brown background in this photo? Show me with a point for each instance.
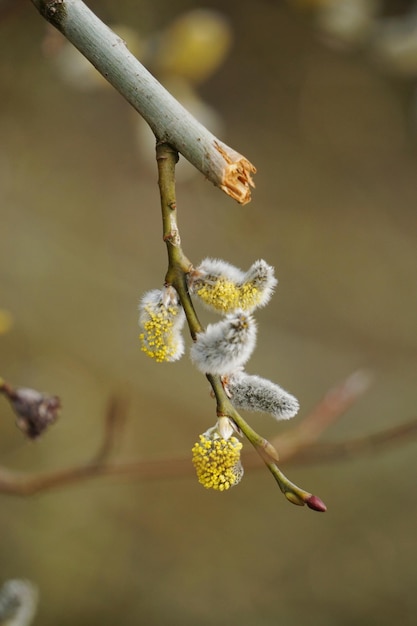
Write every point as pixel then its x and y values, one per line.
pixel 80 239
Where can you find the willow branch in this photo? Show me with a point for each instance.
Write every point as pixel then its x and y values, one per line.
pixel 169 120
pixel 114 423
pixel 330 408
pixel 27 484
pixel 178 266
pixel 343 395
pixel 370 444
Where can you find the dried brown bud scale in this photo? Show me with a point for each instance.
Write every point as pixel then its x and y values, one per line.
pixel 35 411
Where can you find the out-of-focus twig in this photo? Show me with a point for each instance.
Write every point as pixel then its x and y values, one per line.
pixel 114 423
pixel 309 451
pixel 330 408
pixel 10 7
pixel 370 444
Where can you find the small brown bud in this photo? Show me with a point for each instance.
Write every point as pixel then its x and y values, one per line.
pixel 35 411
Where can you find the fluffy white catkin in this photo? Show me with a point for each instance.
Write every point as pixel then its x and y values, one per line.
pixel 212 269
pixel 253 393
pixel 226 346
pixel 261 276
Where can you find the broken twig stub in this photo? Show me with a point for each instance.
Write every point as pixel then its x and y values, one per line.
pixel 237 175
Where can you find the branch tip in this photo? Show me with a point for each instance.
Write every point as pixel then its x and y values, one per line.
pixel 316 504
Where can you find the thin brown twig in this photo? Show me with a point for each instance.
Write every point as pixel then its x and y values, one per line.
pixel 369 444
pixel 326 412
pixel 114 423
pixel 26 484
pixel 329 409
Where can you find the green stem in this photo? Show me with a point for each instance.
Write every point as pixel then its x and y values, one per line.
pixel 292 492
pixel 225 408
pixel 178 264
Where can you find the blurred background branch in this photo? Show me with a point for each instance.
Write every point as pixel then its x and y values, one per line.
pixel 296 446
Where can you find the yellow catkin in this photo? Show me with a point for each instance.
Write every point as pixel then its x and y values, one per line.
pixel 158 341
pixel 217 462
pixel 224 295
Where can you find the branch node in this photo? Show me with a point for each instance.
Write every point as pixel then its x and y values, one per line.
pixel 54 11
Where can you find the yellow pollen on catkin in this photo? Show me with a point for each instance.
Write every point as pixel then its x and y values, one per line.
pixel 158 341
pixel 221 295
pixel 249 296
pixel 217 462
pixel 225 296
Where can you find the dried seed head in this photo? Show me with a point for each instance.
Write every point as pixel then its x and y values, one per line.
pixel 253 393
pixel 226 346
pixel 162 319
pixel 225 288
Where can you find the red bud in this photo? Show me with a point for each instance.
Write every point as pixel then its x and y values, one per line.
pixel 314 502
